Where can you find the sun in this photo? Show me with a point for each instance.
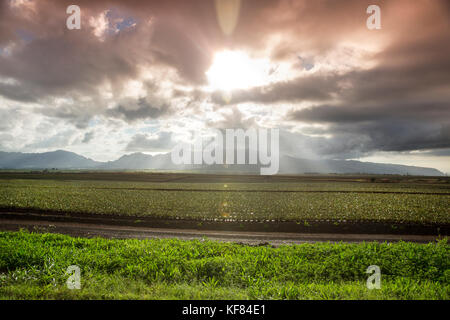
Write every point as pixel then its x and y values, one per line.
pixel 233 70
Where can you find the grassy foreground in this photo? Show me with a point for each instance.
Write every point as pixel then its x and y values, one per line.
pixel 32 266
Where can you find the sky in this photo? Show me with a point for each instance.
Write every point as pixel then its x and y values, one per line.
pixel 141 76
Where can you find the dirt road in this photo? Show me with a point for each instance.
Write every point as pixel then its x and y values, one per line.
pixel 251 238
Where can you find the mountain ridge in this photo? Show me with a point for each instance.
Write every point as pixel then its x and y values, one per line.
pixel 61 159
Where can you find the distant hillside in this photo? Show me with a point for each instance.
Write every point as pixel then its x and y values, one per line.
pixel 293 165
pixel 141 161
pixel 138 161
pixel 56 159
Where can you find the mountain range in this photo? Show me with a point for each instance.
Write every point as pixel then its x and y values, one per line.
pixel 61 159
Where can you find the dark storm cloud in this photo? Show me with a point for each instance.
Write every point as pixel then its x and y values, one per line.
pixel 67 62
pixel 76 113
pixel 88 136
pixel 16 92
pixel 399 135
pixel 313 88
pixel 140 110
pixel 407 111
pixel 340 146
pixel 389 128
pixel 406 71
pixel 172 45
pixel 438 152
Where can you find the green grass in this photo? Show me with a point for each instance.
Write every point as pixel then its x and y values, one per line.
pixel 32 266
pixel 212 201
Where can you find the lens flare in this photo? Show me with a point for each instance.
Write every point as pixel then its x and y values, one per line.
pixel 228 14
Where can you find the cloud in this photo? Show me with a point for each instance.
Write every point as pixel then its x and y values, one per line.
pixel 404 111
pixel 397 127
pixel 335 88
pixel 151 143
pixel 88 136
pixel 438 152
pixel 313 88
pixel 139 110
pixel 232 118
pixel 57 141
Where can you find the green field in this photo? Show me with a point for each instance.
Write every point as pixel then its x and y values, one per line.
pixel 32 266
pixel 283 198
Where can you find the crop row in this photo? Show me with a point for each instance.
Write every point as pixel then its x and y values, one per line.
pixel 228 205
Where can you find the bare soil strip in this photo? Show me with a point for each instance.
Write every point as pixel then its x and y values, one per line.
pixel 302 227
pixel 248 238
pixel 140 176
pixel 252 190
